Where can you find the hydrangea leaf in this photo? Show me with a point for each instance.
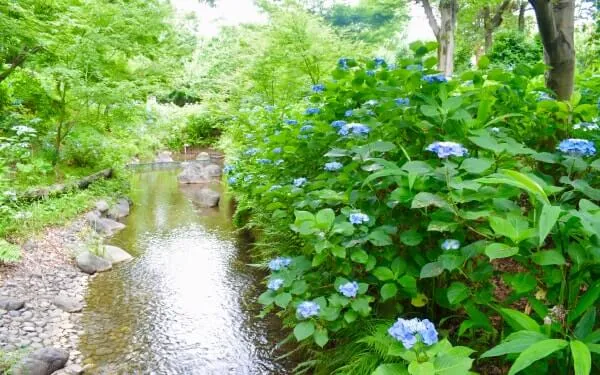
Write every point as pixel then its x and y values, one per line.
pixel 304 330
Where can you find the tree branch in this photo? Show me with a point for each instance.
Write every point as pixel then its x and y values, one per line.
pixel 431 18
pixel 497 20
pixel 18 61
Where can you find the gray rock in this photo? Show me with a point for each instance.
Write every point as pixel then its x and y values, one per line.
pixel 67 303
pixel 10 303
pixel 90 263
pixel 102 206
pixel 164 157
pixel 203 156
pixel 103 226
pixel 119 210
pixel 193 173
pixel 114 254
pixel 43 361
pixel 213 170
pixel 207 197
pixel 30 245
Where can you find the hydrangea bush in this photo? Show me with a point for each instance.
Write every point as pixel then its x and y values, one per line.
pixel 440 204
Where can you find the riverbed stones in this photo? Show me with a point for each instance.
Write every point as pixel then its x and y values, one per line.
pixel 43 361
pixel 193 173
pixel 68 304
pixel 206 197
pixel 90 263
pixel 102 206
pixel 114 254
pixel 203 156
pixel 11 303
pixel 119 210
pixel 164 157
pixel 103 226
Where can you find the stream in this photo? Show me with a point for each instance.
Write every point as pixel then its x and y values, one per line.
pixel 185 303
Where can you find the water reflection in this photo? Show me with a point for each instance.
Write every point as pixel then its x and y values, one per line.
pixel 178 307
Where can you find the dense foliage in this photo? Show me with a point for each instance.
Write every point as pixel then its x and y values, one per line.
pixel 391 191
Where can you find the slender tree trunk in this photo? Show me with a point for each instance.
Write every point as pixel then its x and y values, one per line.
pixel 522 8
pixel 556 23
pixel 60 129
pixel 444 32
pixel 491 23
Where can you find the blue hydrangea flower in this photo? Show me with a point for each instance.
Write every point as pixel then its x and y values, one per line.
pixel 299 182
pixel 577 147
pixel 402 101
pixel 379 61
pixel 307 309
pixel 433 78
pixel 274 187
pixel 251 151
pixel 343 62
pixel 451 244
pixel 586 126
pixel 264 161
pixel 349 289
pixel 278 161
pixel 408 332
pixel 354 129
pixel 312 111
pixel 231 180
pixel 275 284
pixel 333 166
pixel 306 128
pixel 338 123
pixel 318 88
pixel 370 73
pixel 279 263
pixel 348 113
pixel 392 66
pixel 415 67
pixel 290 122
pixel 371 102
pixel 447 149
pixel 228 169
pixel 358 218
pixel 277 150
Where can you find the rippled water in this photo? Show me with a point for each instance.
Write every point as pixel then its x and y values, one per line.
pixel 184 305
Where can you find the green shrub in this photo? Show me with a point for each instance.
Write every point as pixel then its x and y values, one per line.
pixel 387 228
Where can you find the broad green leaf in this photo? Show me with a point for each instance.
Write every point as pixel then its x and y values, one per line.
pixel 457 292
pixel 421 368
pixel 388 291
pixel 476 165
pixel 419 300
pixel 548 257
pixel 519 321
pixel 518 180
pixel 535 352
pixel 304 330
pixel 283 299
pixel 321 337
pixel 582 358
pixel 585 302
pixel 453 361
pixel 424 199
pixel 429 111
pixel 383 273
pixel 487 142
pixel 361 306
pixel 548 218
pixel 516 342
pixel 586 324
pixel 359 256
pixel 380 237
pixel 411 238
pixel 431 270
pixel 325 218
pixel 387 172
pixel 500 250
pixel 391 369
pixel 267 297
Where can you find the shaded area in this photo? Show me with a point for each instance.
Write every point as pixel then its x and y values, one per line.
pixel 184 305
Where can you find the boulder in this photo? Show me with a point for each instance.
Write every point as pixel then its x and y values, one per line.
pixel 119 210
pixel 102 206
pixel 193 173
pixel 103 226
pixel 203 156
pixel 164 157
pixel 43 361
pixel 213 170
pixel 11 303
pixel 207 197
pixel 114 254
pixel 67 303
pixel 90 263
pixel 73 369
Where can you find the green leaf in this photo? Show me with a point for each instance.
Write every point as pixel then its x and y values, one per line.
pixel 518 180
pixel 283 299
pixel 325 218
pixel 421 368
pixel 391 369
pixel 548 257
pixel 548 218
pixel 304 330
pixel 431 270
pixel 453 361
pixel 585 302
pixel 515 343
pixel 388 291
pixel 475 165
pixel 361 306
pixel 359 256
pixel 535 352
pixel 321 337
pixel 379 237
pixel 457 292
pixel 267 297
pixel 582 358
pixel 519 321
pixel 383 273
pixel 429 111
pixel 500 250
pixel 483 62
pixel 425 199
pixel 586 324
pixel 411 238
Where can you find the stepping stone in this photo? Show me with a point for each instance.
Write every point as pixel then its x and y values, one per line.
pixel 10 303
pixel 90 263
pixel 43 361
pixel 115 254
pixel 67 303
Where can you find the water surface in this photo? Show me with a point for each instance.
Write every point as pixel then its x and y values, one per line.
pixel 185 304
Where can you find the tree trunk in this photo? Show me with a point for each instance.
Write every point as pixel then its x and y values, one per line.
pixel 522 8
pixel 556 23
pixel 487 28
pixel 448 11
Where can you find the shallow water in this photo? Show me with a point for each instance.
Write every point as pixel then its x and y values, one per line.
pixel 185 304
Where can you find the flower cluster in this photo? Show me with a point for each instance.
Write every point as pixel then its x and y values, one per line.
pixel 348 113
pixel 279 263
pixel 415 67
pixel 290 122
pixel 370 73
pixel 277 150
pixel 307 309
pixel 349 289
pixel 450 244
pixel 409 331
pixel 371 102
pixel 577 147
pixel 354 129
pixel 306 128
pixel 433 78
pixel 343 62
pixel 275 284
pixel 274 187
pixel 338 123
pixel 319 87
pixel 447 149
pixel 299 182
pixel 231 180
pixel 22 129
pixel 228 169
pixel 312 111
pixel 358 218
pixel 251 151
pixel 586 126
pixel 379 61
pixel 402 101
pixel 333 166
pixel 264 161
